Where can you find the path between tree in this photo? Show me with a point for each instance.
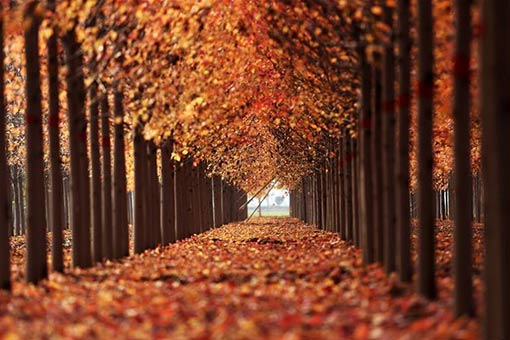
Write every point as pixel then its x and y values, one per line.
pixel 269 279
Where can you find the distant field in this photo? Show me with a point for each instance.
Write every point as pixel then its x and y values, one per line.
pixel 273 211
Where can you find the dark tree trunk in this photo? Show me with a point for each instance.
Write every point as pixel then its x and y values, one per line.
pixel 377 159
pixel 80 223
pixel 495 111
pixel 107 221
pixel 388 126
pixel 144 214
pixel 318 199
pixel 404 265
pixel 5 265
pixel 17 201
pixel 348 187
pixel 155 196
pixel 36 265
pixel 206 198
pixel 183 203
pixel 227 202
pixel 355 191
pixel 365 180
pixel 168 202
pixel 120 226
pixel 95 184
pixel 426 257
pixel 218 201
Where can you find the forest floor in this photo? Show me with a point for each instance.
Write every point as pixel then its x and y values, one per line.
pixel 270 278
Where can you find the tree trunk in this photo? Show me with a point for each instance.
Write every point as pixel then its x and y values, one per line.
pixel 495 111
pixel 65 182
pixel 426 256
pixel 36 265
pixel 17 201
pixel 168 205
pixel 142 220
pixel 95 184
pixel 388 127
pixel 218 201
pixel 365 179
pixel 5 265
pixel 79 164
pixel 355 193
pixel 22 207
pixel 227 202
pixel 463 292
pixel 348 187
pixel 120 226
pixel 207 199
pixel 377 159
pixel 107 221
pixel 183 193
pixel 155 197
pixel 404 265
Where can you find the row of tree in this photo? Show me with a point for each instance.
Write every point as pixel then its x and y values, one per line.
pixel 363 192
pixel 97 207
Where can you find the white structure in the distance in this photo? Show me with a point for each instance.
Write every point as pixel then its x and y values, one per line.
pixel 276 198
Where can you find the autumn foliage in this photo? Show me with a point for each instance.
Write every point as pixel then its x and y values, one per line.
pixel 257 88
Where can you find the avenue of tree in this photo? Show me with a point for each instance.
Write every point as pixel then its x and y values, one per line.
pixel 167 114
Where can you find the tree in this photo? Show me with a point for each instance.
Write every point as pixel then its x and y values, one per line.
pixel 80 219
pixel 5 270
pixel 107 177
pixel 463 295
pixel 120 223
pixel 95 183
pixel 36 265
pixel 57 186
pixel 426 257
pixel 404 266
pixel 495 82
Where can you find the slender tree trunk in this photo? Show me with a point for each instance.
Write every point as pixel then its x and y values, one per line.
pixel 95 184
pixel 140 225
pixel 21 186
pixel 355 194
pixel 17 201
pixel 365 180
pixel 324 198
pixel 404 265
pixel 218 201
pixel 155 197
pixel 79 163
pixel 207 199
pixel 106 210
pixel 168 206
pixel 495 111
pixel 46 205
pixel 65 183
pixel 388 125
pixel 318 201
pixel 10 183
pixel 184 203
pixel 227 203
pixel 120 226
pixel 426 257
pixel 5 265
pixel 348 188
pixel 56 164
pixel 36 265
pixel 377 160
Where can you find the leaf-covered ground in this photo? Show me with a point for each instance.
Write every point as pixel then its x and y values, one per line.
pixel 266 279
